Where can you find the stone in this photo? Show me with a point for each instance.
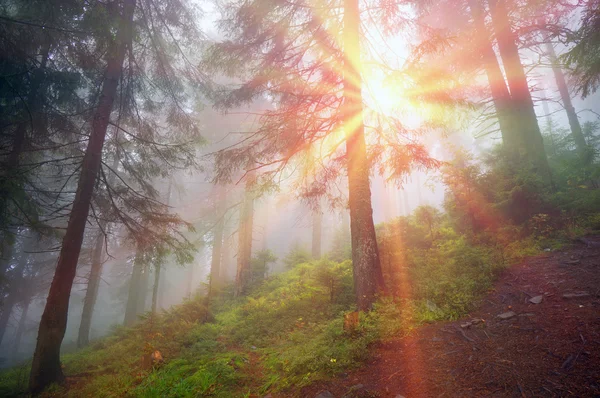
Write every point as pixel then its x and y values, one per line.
pixel 536 299
pixel 325 394
pixel 576 295
pixel 507 315
pixel 399 396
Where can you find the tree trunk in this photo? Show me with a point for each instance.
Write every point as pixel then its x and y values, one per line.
pixel 93 284
pixel 91 293
pixel 215 265
pixel 226 271
pixel 143 291
pixel 566 100
pixel 14 293
pixel 135 286
pixel 158 265
pixel 521 101
pixel 20 329
pixel 498 89
pixel 317 228
pixel 46 368
pixel 155 288
pixel 244 256
pixel 368 277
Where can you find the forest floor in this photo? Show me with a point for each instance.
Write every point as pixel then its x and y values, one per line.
pixel 536 334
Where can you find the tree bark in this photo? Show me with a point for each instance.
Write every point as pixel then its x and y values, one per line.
pixel 46 368
pixel 244 256
pixel 498 89
pixel 20 329
pixel 135 286
pixel 521 101
pixel 317 229
pixel 91 293
pixel 215 265
pixel 158 265
pixel 16 285
pixel 368 276
pixel 563 89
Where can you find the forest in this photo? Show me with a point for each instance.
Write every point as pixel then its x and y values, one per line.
pixel 299 198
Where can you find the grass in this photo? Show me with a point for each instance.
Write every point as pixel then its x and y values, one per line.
pixel 286 334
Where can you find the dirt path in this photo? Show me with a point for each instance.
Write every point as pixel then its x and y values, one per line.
pixel 549 349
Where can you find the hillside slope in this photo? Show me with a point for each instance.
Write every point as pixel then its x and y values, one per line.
pixel 547 349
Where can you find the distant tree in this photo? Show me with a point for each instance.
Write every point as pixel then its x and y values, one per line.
pixel 297 255
pixel 260 264
pixel 430 217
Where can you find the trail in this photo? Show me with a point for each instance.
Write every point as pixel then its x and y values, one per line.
pixel 546 344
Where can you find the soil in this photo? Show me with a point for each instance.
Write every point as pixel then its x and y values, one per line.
pixel 550 349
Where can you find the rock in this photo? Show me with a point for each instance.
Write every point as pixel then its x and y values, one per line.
pixel 536 299
pixel 507 315
pixel 576 295
pixel 253 347
pixel 436 340
pixel 399 396
pixel 325 394
pixel 268 396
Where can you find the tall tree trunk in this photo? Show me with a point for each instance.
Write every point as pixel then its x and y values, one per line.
pixel 20 329
pixel 14 293
pixel 368 277
pixel 46 368
pixel 215 265
pixel 563 89
pixel 155 287
pixel 157 264
pixel 135 287
pixel 226 271
pixel 242 276
pixel 522 103
pixel 143 291
pixel 91 293
pixel 498 89
pixel 317 228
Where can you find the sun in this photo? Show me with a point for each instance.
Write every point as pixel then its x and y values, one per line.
pixel 390 96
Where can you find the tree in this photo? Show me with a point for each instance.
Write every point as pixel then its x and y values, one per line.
pixel 216 274
pixel 565 96
pixel 368 277
pixel 46 368
pixel 151 80
pixel 244 255
pixel 317 231
pixel 430 217
pixel 583 58
pixel 521 101
pixel 260 265
pixel 290 53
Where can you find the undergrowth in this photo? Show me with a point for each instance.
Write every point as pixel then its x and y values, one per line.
pixel 288 332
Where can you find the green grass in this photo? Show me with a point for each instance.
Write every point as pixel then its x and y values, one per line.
pixel 286 334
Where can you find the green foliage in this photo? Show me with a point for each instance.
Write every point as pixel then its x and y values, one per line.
pixel 297 255
pixel 259 265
